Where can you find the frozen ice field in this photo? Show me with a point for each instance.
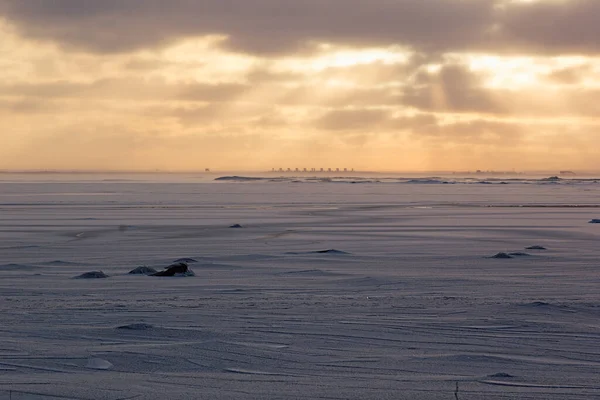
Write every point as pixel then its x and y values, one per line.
pixel 409 306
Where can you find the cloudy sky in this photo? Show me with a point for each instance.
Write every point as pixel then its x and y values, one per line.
pixel 395 85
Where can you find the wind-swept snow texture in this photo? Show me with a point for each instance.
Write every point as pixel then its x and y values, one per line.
pixel 412 306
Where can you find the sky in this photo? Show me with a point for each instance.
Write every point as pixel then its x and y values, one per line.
pixel 378 85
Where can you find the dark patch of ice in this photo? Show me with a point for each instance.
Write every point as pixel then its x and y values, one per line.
pixel 431 181
pixel 536 247
pixel 538 304
pixel 501 375
pixel 59 263
pixel 546 306
pixel 328 251
pixel 185 260
pixel 136 327
pixel 501 255
pixel 15 267
pixel 143 271
pixel 236 226
pixel 238 178
pixel 92 275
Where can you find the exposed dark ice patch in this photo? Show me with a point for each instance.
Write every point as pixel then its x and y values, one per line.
pixel 328 251
pixel 501 255
pixel 431 181
pixel 249 371
pixel 536 247
pixel 547 307
pixel 239 178
pixel 143 271
pixel 595 221
pixel 501 375
pixel 186 260
pixel 537 304
pixel 15 267
pixel 236 226
pixel 92 275
pixel 519 254
pixel 136 327
pixel 59 263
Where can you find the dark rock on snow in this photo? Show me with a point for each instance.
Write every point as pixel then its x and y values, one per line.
pixel 501 255
pixel 143 271
pixel 236 226
pixel 330 251
pixel 535 248
pixel 136 327
pixel 175 269
pixel 501 375
pixel 92 275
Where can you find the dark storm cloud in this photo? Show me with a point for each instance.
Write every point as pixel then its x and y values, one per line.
pixel 261 26
pixel 271 26
pixel 569 26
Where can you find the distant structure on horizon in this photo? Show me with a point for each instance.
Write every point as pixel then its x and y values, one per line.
pixel 306 170
pixel 490 172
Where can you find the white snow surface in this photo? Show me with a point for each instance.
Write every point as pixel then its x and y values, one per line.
pixel 410 306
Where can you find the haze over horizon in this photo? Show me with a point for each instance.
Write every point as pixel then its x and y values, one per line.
pixel 384 85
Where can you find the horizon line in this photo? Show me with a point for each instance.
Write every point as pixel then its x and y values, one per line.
pixel 269 171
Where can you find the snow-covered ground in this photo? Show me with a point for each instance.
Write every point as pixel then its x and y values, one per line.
pixel 410 305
